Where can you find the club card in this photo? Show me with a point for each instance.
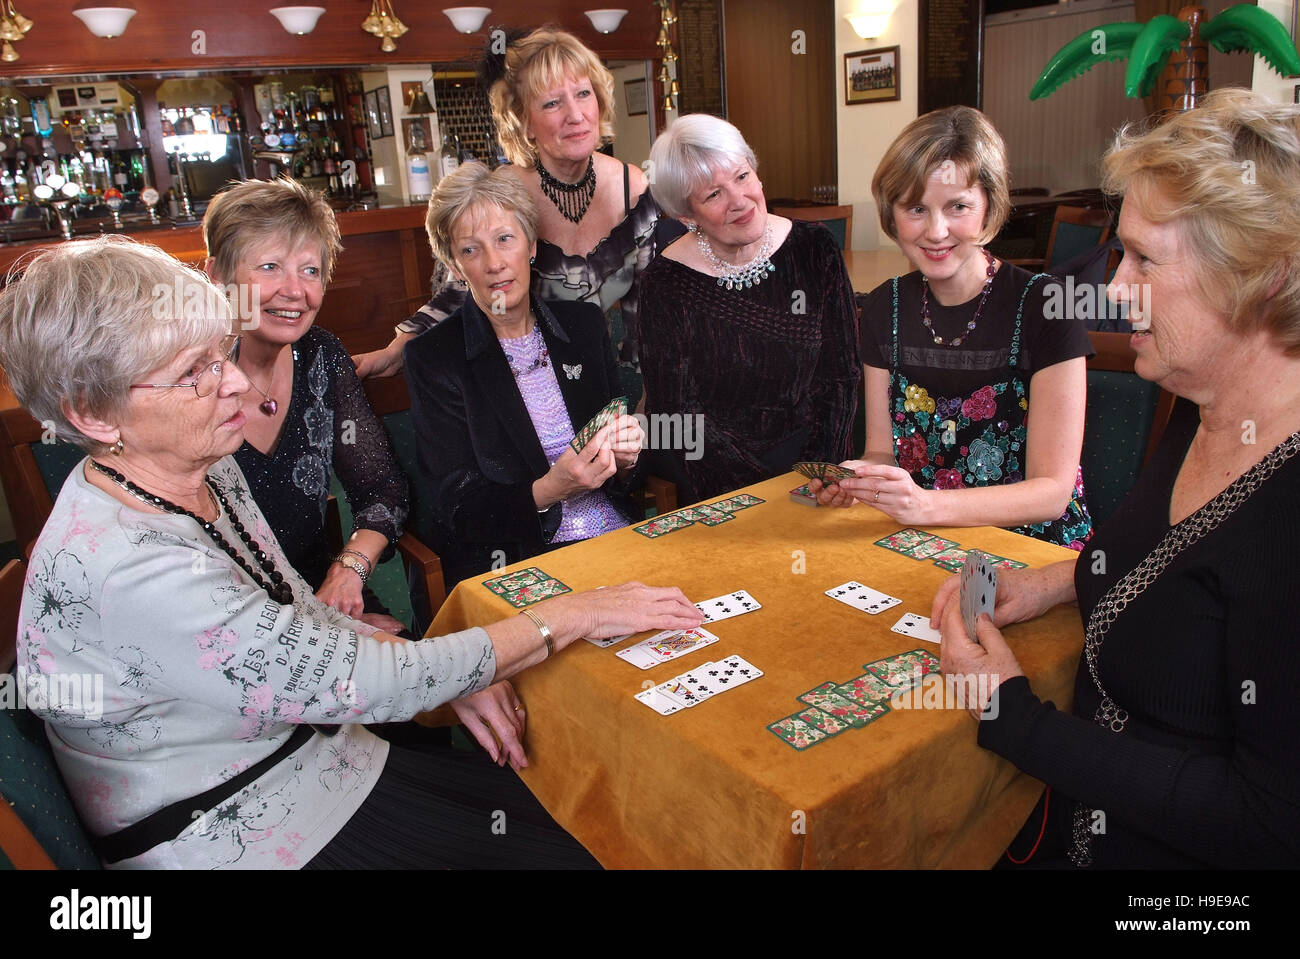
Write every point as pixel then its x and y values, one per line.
pixel 701 685
pixel 662 525
pixel 979 586
pixel 917 627
pixel 724 607
pixel 676 689
pixel 930 548
pixel 803 495
pixel 516 580
pixel 796 732
pixel 535 593
pixel 663 705
pixel 826 699
pixel 665 646
pixel 904 669
pixel 611 641
pixel 828 723
pixel 863 598
pixel 613 409
pixel 905 539
pixel 730 672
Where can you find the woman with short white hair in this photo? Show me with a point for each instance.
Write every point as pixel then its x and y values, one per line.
pixel 749 321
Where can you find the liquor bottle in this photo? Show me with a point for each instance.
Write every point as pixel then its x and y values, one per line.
pixel 417 166
pixel 449 156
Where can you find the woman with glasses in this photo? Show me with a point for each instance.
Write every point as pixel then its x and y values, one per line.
pixel 307 413
pixel 157 572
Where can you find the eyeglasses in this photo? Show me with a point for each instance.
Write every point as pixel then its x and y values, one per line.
pixel 207 378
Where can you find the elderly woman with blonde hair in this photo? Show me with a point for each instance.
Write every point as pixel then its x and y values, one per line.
pixel 157 571
pixel 1181 748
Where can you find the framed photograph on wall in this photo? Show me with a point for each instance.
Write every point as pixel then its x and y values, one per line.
pixel 635 91
pixel 871 76
pixel 373 126
pixel 385 112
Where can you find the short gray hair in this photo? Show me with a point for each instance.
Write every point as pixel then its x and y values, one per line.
pixel 469 186
pixel 688 154
pixel 82 321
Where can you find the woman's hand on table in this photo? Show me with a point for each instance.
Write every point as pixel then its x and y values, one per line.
pixel 342 590
pixel 1022 595
pixel 575 473
pixel 495 718
pixel 621 610
pixel 982 666
pixel 626 441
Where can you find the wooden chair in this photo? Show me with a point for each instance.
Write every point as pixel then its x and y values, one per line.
pixel 1125 419
pixel 1074 230
pixel 837 219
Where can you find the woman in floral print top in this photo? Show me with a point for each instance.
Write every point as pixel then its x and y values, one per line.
pixel 171 648
pixel 959 352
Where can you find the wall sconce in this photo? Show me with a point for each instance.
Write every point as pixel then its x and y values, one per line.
pixel 467 19
pixel 605 21
pixel 298 20
pixel 106 22
pixel 870 22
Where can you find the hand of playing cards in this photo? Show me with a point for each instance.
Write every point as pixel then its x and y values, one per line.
pixel 979 588
pixel 825 472
pixel 612 410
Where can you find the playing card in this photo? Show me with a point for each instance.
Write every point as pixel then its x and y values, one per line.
pixel 903 670
pixel 828 723
pixel 733 504
pixel 710 516
pixel 701 685
pixel 979 585
pixel 662 525
pixel 826 472
pixel 516 580
pixel 611 641
pixel 676 689
pixel 905 539
pixel 803 495
pixel 863 598
pixel 825 698
pixel 1001 562
pixel 727 606
pixel 691 513
pixel 614 408
pixel 535 593
pixel 929 548
pixel 663 705
pixel 665 646
pixel 867 690
pixel 950 559
pixel 729 673
pixel 916 626
pixel 797 732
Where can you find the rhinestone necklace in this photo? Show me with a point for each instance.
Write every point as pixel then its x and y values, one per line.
pixel 276 587
pixel 989 273
pixel 743 275
pixel 571 199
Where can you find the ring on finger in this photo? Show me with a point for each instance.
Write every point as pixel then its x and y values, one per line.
pixel 876 498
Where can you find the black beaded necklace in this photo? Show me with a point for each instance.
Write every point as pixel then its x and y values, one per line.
pixel 276 588
pixel 989 273
pixel 571 199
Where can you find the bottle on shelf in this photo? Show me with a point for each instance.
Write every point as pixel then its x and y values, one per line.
pixel 449 156
pixel 419 182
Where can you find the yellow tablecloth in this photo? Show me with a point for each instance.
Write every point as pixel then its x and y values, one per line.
pixel 710 786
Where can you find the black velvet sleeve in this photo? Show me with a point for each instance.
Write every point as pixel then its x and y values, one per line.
pixel 835 384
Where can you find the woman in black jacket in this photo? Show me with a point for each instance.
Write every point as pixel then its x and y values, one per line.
pixel 500 388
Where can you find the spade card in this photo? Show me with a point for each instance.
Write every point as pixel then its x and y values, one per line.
pixel 665 646
pixel 614 408
pixel 724 607
pixel 863 598
pixel 979 586
pixel 917 627
pixel 662 704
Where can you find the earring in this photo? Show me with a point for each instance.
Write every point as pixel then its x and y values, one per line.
pixel 117 448
pixel 692 227
pixel 532 260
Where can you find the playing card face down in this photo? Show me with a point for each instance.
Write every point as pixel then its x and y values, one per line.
pixel 516 580
pixel 797 732
pixel 867 690
pixel 803 495
pixel 734 504
pixel 662 525
pixel 904 670
pixel 535 593
pixel 905 539
pixel 856 714
pixel 826 472
pixel 930 548
pixel 979 585
pixel 613 409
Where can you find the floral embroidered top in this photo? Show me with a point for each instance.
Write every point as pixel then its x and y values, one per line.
pixel 960 414
pixel 329 426
pixel 202 676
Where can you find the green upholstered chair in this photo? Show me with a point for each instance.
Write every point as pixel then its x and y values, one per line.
pixel 837 219
pixel 1074 231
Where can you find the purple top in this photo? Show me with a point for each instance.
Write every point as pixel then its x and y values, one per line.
pixel 590 513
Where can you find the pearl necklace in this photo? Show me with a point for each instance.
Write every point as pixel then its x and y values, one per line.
pixel 989 273
pixel 276 587
pixel 743 275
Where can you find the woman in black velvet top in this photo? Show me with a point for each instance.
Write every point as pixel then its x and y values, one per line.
pixel 1183 746
pixel 307 413
pixel 749 335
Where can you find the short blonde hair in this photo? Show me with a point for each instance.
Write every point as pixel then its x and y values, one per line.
pixel 962 135
pixel 82 321
pixel 688 154
pixel 1228 172
pixel 247 212
pixel 534 64
pixel 469 186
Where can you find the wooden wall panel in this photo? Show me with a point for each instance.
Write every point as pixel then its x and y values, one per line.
pixel 243 34
pixel 784 102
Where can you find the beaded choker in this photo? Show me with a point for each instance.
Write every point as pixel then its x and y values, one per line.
pixel 744 275
pixel 989 273
pixel 274 584
pixel 571 199
pixel 541 355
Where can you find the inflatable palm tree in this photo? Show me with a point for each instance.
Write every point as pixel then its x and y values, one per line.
pixel 1173 49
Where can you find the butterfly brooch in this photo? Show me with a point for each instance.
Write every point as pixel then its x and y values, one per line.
pixel 572 372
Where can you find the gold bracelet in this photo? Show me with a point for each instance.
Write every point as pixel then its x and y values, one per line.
pixel 545 630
